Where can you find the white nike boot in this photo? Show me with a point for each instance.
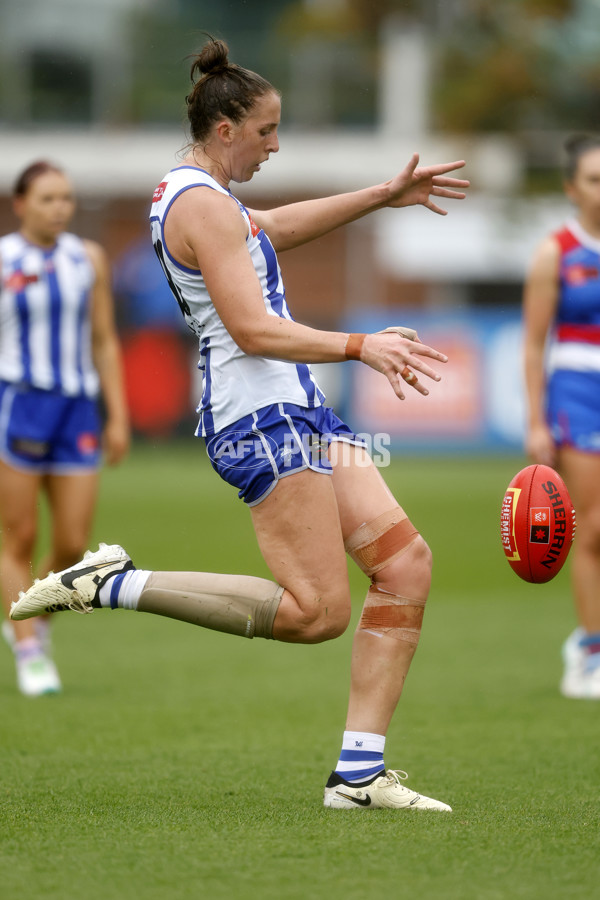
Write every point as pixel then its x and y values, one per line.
pixel 384 792
pixel 75 588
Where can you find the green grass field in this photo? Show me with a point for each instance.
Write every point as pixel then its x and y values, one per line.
pixel 180 763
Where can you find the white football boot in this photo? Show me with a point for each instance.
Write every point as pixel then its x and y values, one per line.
pixel 581 679
pixel 384 792
pixel 75 588
pixel 37 674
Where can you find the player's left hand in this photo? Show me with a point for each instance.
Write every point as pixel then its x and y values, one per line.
pixel 417 185
pixel 115 442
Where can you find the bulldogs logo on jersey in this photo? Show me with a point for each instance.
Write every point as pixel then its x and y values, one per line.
pixel 579 274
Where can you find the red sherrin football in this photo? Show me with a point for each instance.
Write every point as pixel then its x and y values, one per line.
pixel 537 523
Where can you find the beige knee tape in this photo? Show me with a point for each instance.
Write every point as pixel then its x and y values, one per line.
pixel 236 604
pixel 376 544
pixel 398 617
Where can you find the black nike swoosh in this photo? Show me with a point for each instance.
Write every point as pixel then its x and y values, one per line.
pixel 68 578
pixel 357 800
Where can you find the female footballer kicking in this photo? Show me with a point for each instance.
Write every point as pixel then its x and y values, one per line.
pixel 312 490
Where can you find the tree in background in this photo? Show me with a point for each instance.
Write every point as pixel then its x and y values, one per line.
pixel 511 66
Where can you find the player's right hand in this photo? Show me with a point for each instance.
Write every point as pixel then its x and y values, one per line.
pixel 401 360
pixel 540 445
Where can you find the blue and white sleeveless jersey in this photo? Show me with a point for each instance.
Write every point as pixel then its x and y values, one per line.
pixel 45 330
pixel 234 384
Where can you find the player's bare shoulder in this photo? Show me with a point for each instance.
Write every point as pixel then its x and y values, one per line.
pixel 546 259
pixel 200 202
pixel 98 257
pixel 203 223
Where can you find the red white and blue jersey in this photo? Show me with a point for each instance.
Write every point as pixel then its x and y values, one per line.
pixel 576 340
pixel 573 394
pixel 45 329
pixel 234 384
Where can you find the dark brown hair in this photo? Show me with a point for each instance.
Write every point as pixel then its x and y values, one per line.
pixel 28 176
pixel 221 89
pixel 575 148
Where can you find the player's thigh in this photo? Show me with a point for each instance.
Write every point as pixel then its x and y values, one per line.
pixel 363 497
pixel 19 492
pixel 581 472
pixel 298 531
pixel 361 492
pixel 72 500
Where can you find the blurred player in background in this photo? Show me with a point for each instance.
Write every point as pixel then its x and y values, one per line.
pixel 562 373
pixel 310 485
pixel 58 351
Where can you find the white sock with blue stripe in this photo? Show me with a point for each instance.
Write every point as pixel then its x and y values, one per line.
pixel 123 591
pixel 590 642
pixel 361 758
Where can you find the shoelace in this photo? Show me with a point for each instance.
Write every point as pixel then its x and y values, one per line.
pixel 396 775
pixel 78 604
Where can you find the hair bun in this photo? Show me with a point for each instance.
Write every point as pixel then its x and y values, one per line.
pixel 213 58
pixel 232 94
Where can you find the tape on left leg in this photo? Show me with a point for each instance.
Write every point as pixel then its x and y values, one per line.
pixel 398 617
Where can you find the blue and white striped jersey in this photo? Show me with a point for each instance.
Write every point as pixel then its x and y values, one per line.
pixel 234 384
pixel 45 330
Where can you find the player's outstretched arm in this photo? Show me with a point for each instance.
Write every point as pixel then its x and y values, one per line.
pixel 297 223
pixel 221 254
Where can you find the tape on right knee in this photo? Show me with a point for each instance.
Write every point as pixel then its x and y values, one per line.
pixel 378 543
pixel 236 604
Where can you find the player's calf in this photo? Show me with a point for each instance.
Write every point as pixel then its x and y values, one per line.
pixel 235 604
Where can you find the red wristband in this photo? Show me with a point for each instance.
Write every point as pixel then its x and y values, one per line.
pixel 354 345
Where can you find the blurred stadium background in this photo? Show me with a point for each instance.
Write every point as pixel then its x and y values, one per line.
pixel 98 86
